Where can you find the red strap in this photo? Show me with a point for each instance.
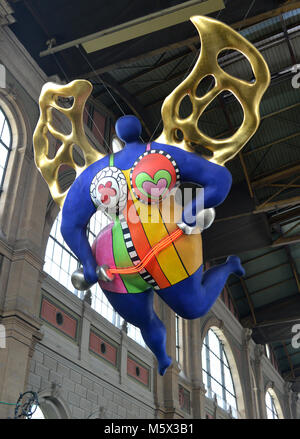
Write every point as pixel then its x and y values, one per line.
pixel 165 242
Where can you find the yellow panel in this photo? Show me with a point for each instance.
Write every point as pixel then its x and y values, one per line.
pixel 189 247
pixel 155 230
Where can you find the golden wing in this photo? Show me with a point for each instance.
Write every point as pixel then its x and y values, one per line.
pixel 80 90
pixel 215 37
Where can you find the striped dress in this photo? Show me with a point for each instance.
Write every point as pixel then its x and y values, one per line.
pixel 143 208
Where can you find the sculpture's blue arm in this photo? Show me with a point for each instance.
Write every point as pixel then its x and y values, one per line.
pixel 216 181
pixel 77 211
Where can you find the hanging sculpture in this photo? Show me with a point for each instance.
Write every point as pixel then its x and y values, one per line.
pixel 145 248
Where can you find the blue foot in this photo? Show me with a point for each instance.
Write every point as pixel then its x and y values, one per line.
pixel 164 366
pixel 236 265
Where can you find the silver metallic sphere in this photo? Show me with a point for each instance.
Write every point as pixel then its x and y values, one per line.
pixel 79 282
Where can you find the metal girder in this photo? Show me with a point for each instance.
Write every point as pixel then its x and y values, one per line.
pixel 275 142
pixel 128 61
pixel 282 321
pixel 288 202
pixel 283 185
pixel 144 71
pixel 286 35
pixel 195 39
pixel 280 311
pixel 291 355
pixel 277 175
pixel 266 288
pixel 266 116
pixel 231 130
pixel 280 332
pixel 285 216
pixel 231 296
pixel 288 6
pixel 259 273
pixel 260 256
pixel 250 303
pixel 286 240
pixel 282 189
pixel 141 26
pixel 287 372
pixel 224 238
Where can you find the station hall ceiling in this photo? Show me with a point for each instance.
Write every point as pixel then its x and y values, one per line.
pixel 133 69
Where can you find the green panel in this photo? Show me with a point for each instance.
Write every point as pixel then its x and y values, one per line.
pixel 133 282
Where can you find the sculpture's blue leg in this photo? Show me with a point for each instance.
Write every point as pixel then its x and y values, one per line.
pixel 193 297
pixel 137 309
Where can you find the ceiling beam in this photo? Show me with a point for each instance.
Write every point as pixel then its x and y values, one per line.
pixel 209 110
pixel 284 309
pixel 141 26
pixel 286 240
pixel 277 193
pixel 276 284
pixel 128 61
pixel 260 256
pixel 242 161
pixel 227 288
pixel 250 303
pixel 192 40
pixel 285 216
pixel 144 71
pixel 283 185
pixel 288 41
pixel 277 333
pixel 259 273
pixel 291 355
pixel 281 321
pixel 277 175
pixel 266 116
pixel 288 6
pixel 275 142
pixel 287 372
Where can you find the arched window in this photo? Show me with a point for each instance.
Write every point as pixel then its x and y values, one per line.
pixel 60 263
pixel 216 371
pixel 5 145
pixel 271 405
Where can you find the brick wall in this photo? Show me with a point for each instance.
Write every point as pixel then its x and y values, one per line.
pixel 88 382
pixel 84 393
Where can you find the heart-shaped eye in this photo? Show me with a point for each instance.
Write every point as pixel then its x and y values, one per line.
pixel 155 190
pixel 156 186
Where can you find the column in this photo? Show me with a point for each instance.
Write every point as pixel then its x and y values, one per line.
pixel 250 411
pixel 287 403
pixel 195 369
pixel 259 352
